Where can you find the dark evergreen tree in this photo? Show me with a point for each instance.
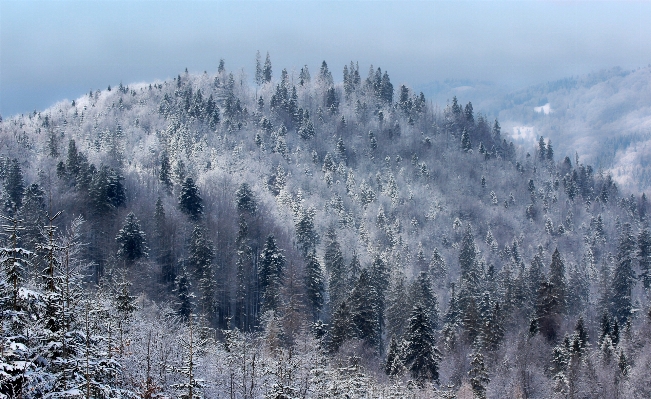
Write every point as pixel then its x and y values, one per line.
pixel 163 242
pixel 245 200
pixel 131 240
pixel 185 297
pixel 422 294
pixel 190 201
pixel 342 327
pixel 421 354
pixel 165 173
pixel 478 376
pixel 270 273
pixel 394 366
pixel 548 311
pixel 266 70
pixel 314 283
pixel 644 257
pixel 624 277
pixel 306 236
pixel 335 267
pixel 468 261
pixel 466 144
pixel 364 310
pixel 558 281
pixel 14 185
pixel 380 281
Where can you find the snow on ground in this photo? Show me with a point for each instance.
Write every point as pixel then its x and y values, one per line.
pixel 524 133
pixel 545 109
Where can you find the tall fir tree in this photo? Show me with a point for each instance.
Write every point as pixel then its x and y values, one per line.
pixel 624 277
pixel 421 355
pixel 335 267
pixel 132 245
pixel 190 200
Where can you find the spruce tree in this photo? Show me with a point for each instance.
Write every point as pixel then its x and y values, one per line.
pixel 364 310
pixel 557 281
pixel 393 365
pixel 421 354
pixel 644 257
pixel 314 283
pixel 624 277
pixel 422 294
pixel 468 260
pixel 478 376
pixel 342 327
pixel 190 201
pixel 165 173
pixel 270 273
pixel 184 295
pixel 14 185
pixel 335 267
pixel 131 240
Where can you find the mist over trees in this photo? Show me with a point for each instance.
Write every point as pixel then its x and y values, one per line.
pixel 299 237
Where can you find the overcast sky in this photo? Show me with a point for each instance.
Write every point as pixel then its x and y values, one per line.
pixel 60 49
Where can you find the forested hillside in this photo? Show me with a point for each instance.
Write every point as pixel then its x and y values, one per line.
pixel 304 238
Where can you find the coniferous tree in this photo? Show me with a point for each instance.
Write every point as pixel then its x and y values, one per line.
pixel 422 294
pixel 165 173
pixel 398 306
pixel 393 365
pixel 131 240
pixel 184 295
pixel 478 376
pixel 342 327
pixel 190 201
pixel 558 281
pixel 314 283
pixel 421 354
pixel 468 260
pixel 624 277
pixel 270 273
pixel 14 185
pixel 335 267
pixel 380 281
pixel 644 257
pixel 306 236
pixel 364 310
pixel 201 253
pixel 266 70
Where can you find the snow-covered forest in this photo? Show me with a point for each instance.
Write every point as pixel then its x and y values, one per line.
pixel 297 237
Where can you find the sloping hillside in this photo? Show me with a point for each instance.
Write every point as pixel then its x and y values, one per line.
pixel 604 116
pixel 306 238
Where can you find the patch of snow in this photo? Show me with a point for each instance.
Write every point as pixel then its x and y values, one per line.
pixel 545 109
pixel 524 133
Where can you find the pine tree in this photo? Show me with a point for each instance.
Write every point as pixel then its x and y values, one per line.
pixel 201 253
pixel 478 376
pixel 644 257
pixel 131 240
pixel 165 174
pixel 558 281
pixel 335 267
pixel 270 273
pixel 314 283
pixel 14 185
pixel 624 277
pixel 398 306
pixel 468 260
pixel 185 297
pixel 266 70
pixel 421 354
pixel 422 294
pixel 364 310
pixel 306 236
pixel 190 201
pixel 394 366
pixel 342 327
pixel 245 200
pixel 466 144
pixel 380 281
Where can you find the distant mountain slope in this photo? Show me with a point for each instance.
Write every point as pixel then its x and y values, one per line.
pixel 324 234
pixel 604 116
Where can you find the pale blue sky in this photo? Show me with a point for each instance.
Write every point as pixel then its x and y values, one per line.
pixel 60 49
